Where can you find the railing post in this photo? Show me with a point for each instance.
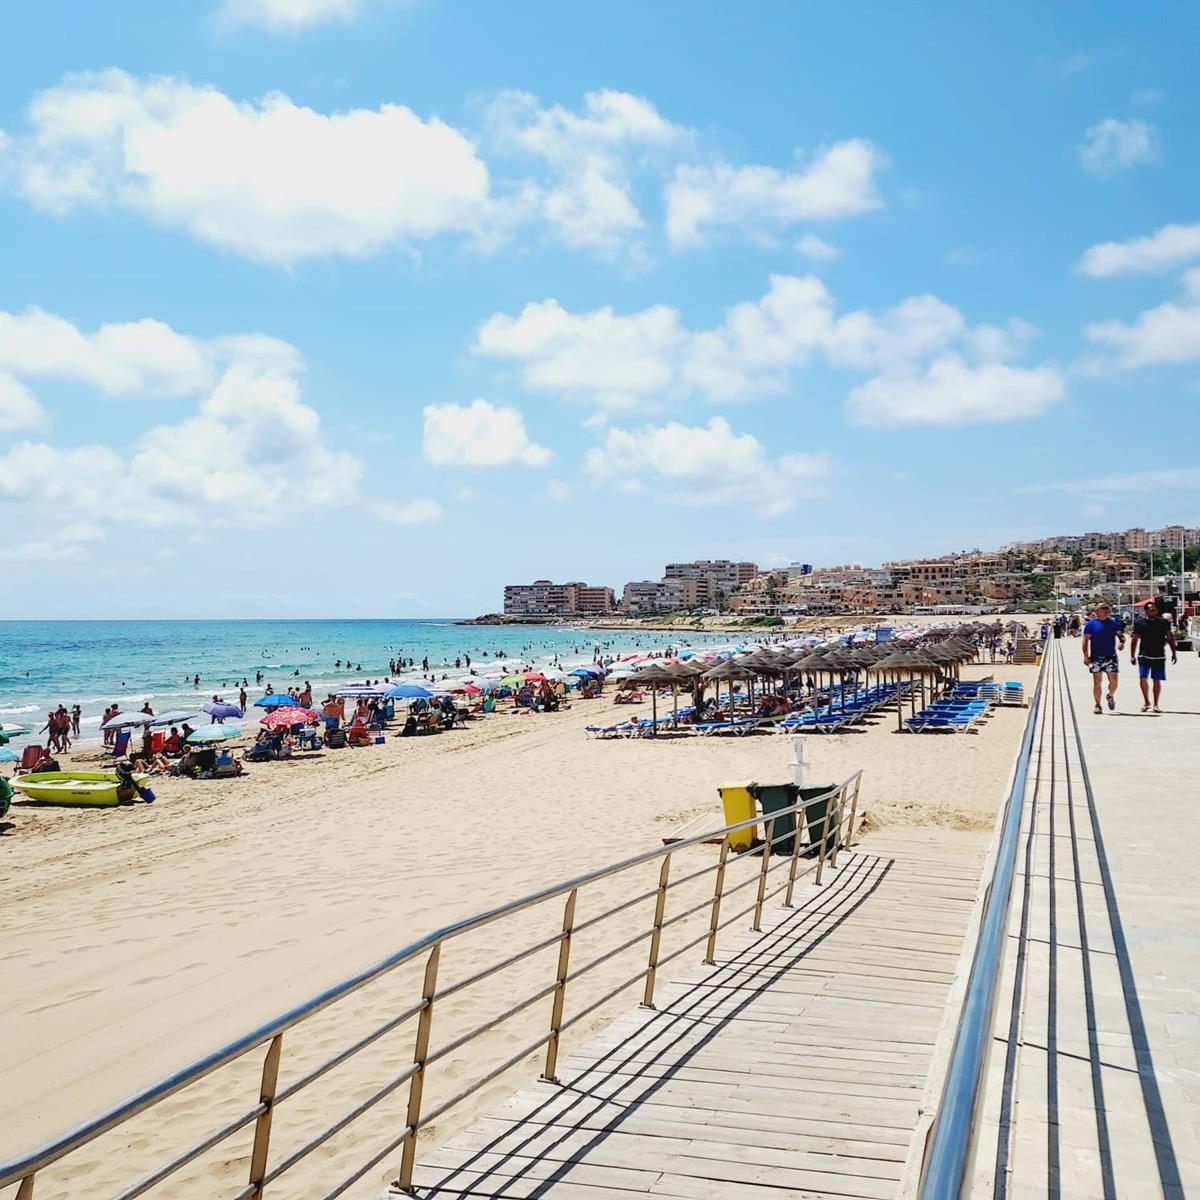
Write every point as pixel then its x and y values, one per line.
pixel 560 988
pixel 714 920
pixel 25 1191
pixel 762 876
pixel 824 839
pixel 837 826
pixel 262 1127
pixel 420 1053
pixel 796 821
pixel 660 905
pixel 853 811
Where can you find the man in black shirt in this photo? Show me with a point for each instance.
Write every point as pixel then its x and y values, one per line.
pixel 1152 635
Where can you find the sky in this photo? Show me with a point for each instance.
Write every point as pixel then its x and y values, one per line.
pixel 369 307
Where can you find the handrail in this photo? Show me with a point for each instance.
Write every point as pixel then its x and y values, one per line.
pixel 943 1176
pixel 23 1169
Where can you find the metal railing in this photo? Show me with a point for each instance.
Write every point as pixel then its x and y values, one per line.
pixel 837 828
pixel 952 1137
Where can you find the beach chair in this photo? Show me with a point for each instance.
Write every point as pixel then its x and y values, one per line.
pixel 30 757
pixel 120 746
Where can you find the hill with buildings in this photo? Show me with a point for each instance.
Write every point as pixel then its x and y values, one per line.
pixel 1066 568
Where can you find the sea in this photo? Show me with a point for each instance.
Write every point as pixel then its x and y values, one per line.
pixel 96 663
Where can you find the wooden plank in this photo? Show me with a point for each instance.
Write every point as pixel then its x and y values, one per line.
pixel 793 1068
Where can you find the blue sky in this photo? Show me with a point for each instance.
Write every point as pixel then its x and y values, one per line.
pixel 367 307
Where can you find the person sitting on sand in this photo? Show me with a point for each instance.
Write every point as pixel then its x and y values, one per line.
pixel 174 743
pixel 186 731
pixel 153 764
pixel 46 763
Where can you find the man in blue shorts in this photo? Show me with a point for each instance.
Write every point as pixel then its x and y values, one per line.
pixel 1152 634
pixel 1101 636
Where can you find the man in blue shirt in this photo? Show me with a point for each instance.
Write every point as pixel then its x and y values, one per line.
pixel 1101 636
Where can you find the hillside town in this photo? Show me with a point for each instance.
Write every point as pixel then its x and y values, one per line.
pixel 1067 569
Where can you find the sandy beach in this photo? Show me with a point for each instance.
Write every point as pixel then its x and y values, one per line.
pixel 139 938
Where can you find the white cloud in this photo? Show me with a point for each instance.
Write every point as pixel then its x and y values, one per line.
pixel 588 156
pixel 816 248
pixel 608 358
pixel 618 362
pixel 412 512
pixel 132 358
pixel 288 16
pixel 705 465
pixel 951 392
pixel 272 180
pixel 1115 145
pixel 20 411
pixel 838 182
pixel 1169 333
pixel 1171 479
pixel 558 491
pixel 1164 249
pixel 248 451
pixel 479 434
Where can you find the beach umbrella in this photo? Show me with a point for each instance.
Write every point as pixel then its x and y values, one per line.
pixel 284 718
pixel 213 733
pixel 654 674
pixel 176 716
pixel 583 671
pixel 218 709
pixel 128 720
pixel 11 731
pixel 275 700
pixel 468 690
pixel 905 659
pixel 512 681
pixel 7 755
pixel 408 691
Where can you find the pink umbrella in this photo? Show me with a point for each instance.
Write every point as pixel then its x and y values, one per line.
pixel 284 718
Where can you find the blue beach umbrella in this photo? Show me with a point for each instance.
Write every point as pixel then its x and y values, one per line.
pixel 408 691
pixel 275 700
pixel 213 733
pixel 6 755
pixel 587 671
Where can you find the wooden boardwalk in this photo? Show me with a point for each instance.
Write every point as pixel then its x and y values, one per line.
pixel 793 1068
pixel 1093 1086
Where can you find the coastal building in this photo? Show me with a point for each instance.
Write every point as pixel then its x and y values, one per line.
pixel 542 598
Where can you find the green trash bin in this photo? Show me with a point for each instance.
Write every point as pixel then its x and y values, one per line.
pixel 815 816
pixel 773 798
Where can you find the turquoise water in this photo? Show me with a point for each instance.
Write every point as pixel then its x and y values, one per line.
pixel 94 663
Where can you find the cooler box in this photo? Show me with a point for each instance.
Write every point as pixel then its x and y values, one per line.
pixel 773 798
pixel 737 801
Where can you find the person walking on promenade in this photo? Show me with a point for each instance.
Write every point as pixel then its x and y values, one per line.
pixel 1152 634
pixel 1101 636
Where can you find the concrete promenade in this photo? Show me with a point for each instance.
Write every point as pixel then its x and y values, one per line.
pixel 1093 1085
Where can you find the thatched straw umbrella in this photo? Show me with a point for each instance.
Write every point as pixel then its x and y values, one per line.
pixel 910 660
pixel 652 675
pixel 730 670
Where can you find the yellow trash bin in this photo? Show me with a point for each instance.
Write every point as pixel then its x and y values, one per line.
pixel 738 802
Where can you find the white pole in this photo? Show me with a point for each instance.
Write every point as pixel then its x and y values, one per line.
pixel 799 762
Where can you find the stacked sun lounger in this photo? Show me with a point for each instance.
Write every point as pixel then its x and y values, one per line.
pixel 960 712
pixel 1013 692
